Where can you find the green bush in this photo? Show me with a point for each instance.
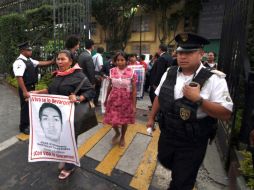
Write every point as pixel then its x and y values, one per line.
pixel 12 81
pixel 41 84
pixel 12 32
pixel 236 129
pixel 35 25
pixel 44 82
pixel 46 78
pixel 246 168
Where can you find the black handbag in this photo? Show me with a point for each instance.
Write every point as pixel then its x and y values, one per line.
pixel 84 114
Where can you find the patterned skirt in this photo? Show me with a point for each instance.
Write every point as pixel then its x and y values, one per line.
pixel 119 109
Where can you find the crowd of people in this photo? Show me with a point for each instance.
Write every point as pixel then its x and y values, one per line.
pixel 187 96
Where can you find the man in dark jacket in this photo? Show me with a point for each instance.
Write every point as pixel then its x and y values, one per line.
pixel 85 61
pixel 73 43
pixel 109 64
pixel 158 69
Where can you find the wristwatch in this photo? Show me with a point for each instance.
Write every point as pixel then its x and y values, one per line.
pixel 199 102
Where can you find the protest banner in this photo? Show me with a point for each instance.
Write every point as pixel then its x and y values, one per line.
pixel 139 70
pixel 52 136
pixel 104 90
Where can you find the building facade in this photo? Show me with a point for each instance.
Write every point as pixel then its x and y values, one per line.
pixel 145 28
pixel 144 32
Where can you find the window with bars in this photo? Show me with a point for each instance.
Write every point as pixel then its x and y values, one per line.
pixel 145 48
pixel 144 21
pixel 93 27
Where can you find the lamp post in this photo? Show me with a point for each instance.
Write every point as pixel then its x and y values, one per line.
pixel 54 23
pixel 88 19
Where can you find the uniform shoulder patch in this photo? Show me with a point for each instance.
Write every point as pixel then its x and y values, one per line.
pixel 219 73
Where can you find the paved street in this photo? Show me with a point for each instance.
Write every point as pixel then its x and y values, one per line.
pixel 9 112
pixel 103 166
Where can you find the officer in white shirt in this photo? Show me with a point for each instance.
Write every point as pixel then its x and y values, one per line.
pixel 24 69
pixel 98 63
pixel 210 63
pixel 190 99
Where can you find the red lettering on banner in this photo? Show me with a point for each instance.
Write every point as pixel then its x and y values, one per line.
pixel 64 156
pixel 50 100
pixel 37 153
pixel 46 153
pixel 56 101
pixel 36 99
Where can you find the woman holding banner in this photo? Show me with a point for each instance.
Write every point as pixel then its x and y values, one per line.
pixel 66 80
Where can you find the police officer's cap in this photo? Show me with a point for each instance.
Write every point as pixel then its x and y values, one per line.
pixel 24 46
pixel 190 42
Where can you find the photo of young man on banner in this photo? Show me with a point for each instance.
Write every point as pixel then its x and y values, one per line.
pixel 52 136
pixel 140 73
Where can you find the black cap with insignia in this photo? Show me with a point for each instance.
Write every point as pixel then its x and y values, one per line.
pixel 24 46
pixel 190 42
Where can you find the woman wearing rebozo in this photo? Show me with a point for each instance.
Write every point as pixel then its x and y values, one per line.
pixel 65 82
pixel 120 101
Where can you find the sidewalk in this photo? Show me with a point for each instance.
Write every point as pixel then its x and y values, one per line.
pixel 103 166
pixel 211 176
pixel 9 112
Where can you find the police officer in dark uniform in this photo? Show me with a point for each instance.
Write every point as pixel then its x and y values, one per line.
pixel 24 69
pixel 190 99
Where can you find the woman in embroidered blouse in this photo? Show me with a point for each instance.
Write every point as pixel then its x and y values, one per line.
pixel 65 82
pixel 120 101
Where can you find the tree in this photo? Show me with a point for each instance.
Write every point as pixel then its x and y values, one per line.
pixel 35 25
pixel 115 17
pixel 161 7
pixel 169 22
pixel 12 32
pixel 40 24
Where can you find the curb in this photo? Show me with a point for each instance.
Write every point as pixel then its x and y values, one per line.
pixel 240 181
pixel 236 179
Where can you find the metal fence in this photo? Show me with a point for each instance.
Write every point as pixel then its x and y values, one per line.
pixel 14 6
pixel 233 60
pixel 69 17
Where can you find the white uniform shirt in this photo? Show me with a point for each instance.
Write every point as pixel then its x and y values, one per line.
pixel 212 64
pixel 98 61
pixel 215 89
pixel 19 66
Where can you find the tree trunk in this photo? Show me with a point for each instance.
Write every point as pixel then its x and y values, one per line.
pixel 163 27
